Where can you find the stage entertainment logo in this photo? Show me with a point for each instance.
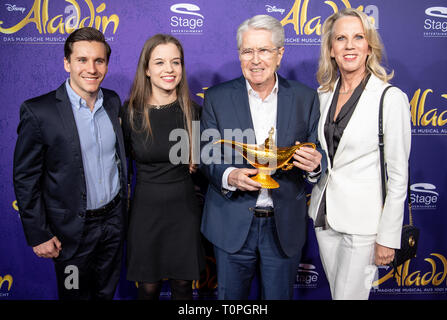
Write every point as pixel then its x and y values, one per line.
pixel 428 120
pixel 306 276
pixel 431 279
pixel 5 285
pixel 186 19
pixel 53 21
pixel 303 23
pixel 423 196
pixel 435 26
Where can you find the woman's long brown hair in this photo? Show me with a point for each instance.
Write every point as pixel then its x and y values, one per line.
pixel 141 88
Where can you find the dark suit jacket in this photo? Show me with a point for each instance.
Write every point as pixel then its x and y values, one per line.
pixel 227 218
pixel 49 180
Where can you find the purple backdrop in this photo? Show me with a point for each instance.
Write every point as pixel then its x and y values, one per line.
pixel 32 34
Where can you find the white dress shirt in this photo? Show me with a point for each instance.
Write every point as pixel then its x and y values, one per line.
pixel 263 115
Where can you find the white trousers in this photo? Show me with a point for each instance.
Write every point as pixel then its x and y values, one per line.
pixel 348 261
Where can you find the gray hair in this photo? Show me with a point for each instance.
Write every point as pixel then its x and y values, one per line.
pixel 264 22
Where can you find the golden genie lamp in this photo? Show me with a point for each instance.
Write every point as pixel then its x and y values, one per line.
pixel 267 158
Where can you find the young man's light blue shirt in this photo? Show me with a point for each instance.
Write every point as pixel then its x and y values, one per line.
pixel 97 139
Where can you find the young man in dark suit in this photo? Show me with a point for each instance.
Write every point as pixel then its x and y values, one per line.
pixel 70 173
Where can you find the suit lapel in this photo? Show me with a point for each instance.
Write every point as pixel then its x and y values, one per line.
pixel 241 106
pixel 66 114
pixel 325 104
pixel 284 110
pixel 64 108
pixel 114 119
pixel 366 100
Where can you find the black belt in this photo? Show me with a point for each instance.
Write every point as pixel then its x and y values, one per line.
pixel 104 209
pixel 263 212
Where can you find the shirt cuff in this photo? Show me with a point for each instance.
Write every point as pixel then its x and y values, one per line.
pixel 313 176
pixel 315 173
pixel 225 184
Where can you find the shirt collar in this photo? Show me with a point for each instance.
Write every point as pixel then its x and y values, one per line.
pixel 76 99
pixel 252 92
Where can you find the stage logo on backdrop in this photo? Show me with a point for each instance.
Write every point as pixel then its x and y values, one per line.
pixel 306 22
pixel 52 21
pixel 435 25
pixel 428 120
pixel 423 196
pixel 307 276
pixel 431 279
pixel 186 19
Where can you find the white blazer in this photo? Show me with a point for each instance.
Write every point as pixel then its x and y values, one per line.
pixel 353 181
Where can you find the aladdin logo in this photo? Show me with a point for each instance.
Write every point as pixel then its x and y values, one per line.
pixel 16 209
pixel 274 9
pixel 436 276
pixel 8 279
pixel 306 276
pixel 39 15
pixel 436 27
pixel 298 16
pixel 13 7
pixel 422 118
pixel 191 24
pixel 208 279
pixel 15 206
pixel 423 196
pixel 202 94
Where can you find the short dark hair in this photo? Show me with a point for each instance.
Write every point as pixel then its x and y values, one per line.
pixel 85 34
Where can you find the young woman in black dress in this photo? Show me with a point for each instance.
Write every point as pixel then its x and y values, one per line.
pixel 164 238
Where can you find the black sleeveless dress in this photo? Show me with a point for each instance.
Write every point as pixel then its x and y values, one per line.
pixel 164 239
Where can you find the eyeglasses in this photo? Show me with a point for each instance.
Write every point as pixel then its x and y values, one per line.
pixel 263 53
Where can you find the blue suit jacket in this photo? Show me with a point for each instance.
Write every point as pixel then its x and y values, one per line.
pixel 49 180
pixel 227 218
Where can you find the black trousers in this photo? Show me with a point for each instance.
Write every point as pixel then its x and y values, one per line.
pixel 93 272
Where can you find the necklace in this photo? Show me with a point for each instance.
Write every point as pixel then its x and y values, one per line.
pixel 163 106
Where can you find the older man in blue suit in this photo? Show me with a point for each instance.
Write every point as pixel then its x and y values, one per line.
pixel 254 228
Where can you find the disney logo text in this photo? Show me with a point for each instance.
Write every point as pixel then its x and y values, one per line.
pixel 274 9
pixel 13 7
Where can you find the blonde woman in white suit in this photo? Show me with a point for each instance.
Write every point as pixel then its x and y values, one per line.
pixel 355 231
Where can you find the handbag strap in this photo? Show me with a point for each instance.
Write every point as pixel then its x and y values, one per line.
pixel 382 145
pixel 382 158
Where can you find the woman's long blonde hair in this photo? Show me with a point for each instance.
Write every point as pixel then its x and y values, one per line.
pixel 328 71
